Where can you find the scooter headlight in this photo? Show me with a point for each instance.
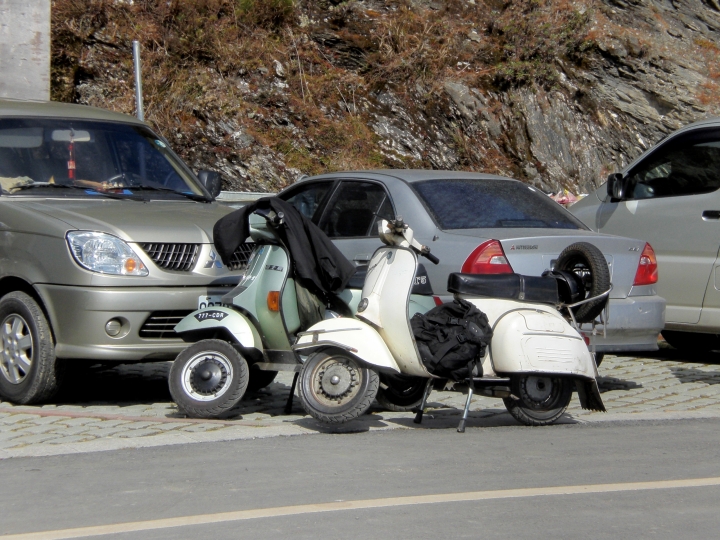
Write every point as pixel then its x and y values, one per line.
pixel 105 254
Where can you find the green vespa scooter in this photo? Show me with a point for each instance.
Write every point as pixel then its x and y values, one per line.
pixel 240 345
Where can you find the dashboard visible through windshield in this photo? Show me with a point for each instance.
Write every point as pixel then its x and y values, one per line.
pixel 39 155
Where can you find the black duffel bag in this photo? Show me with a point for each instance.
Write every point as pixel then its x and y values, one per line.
pixel 452 338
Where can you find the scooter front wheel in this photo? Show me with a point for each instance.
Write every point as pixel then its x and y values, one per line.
pixel 542 400
pixel 208 379
pixel 335 388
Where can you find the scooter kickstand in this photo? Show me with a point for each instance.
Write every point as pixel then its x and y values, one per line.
pixel 289 404
pixel 420 410
pixel 461 426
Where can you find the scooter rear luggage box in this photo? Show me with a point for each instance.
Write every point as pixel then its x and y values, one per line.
pixel 543 290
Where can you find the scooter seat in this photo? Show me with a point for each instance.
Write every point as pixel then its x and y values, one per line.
pixel 543 290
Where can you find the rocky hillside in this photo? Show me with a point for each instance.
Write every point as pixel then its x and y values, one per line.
pixel 556 93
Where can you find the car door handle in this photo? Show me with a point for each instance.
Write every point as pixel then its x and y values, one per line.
pixel 711 214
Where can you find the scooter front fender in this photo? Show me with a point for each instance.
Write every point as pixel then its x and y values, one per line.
pixel 211 319
pixel 357 338
pixel 530 340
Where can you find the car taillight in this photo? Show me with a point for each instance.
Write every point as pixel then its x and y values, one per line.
pixel 647 270
pixel 488 258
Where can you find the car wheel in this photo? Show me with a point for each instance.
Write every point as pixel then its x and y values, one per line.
pixel 541 400
pixel 400 393
pixel 335 388
pixel 29 371
pixel 589 264
pixel 208 379
pixel 692 341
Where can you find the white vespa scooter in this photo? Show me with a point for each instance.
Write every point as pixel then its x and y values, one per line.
pixel 534 360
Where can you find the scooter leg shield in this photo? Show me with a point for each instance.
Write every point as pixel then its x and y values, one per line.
pixel 206 322
pixel 357 338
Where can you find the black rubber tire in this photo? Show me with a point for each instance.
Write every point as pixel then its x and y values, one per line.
pixel 538 412
pixel 400 393
pixel 353 404
pixel 40 380
pixel 692 341
pixel 223 363
pixel 587 261
pixel 259 379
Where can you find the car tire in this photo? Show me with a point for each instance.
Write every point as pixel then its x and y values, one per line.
pixel 399 393
pixel 336 401
pixel 29 371
pixel 208 379
pixel 588 263
pixel 541 401
pixel 692 341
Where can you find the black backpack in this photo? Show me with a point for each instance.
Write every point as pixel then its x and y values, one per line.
pixel 451 339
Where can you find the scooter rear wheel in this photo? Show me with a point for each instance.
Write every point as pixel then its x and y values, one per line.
pixel 542 400
pixel 335 388
pixel 208 379
pixel 400 393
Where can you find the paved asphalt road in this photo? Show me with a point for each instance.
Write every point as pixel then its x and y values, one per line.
pixel 132 485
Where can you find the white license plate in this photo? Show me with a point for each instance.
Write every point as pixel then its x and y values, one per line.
pixel 209 301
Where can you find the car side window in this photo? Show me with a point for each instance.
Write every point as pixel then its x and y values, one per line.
pixel 355 210
pixel 686 165
pixel 306 199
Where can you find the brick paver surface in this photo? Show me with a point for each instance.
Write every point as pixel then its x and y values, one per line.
pixel 104 408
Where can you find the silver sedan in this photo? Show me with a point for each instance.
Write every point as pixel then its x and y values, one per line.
pixel 479 223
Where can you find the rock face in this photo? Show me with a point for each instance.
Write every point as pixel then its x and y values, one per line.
pixel 370 84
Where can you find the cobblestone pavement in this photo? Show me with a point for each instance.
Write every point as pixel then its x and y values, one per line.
pixel 129 406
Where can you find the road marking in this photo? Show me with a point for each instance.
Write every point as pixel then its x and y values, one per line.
pixel 204 519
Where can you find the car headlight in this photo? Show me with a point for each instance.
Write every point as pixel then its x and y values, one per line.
pixel 104 253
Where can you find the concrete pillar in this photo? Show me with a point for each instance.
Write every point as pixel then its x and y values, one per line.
pixel 25 49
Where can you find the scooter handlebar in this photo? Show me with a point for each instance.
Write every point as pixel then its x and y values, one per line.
pixel 430 257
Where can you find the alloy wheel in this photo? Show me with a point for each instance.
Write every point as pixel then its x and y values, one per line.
pixel 17 349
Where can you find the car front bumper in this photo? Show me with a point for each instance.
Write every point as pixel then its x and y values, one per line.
pixel 78 316
pixel 633 325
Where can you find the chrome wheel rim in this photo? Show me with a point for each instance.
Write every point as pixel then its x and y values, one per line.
pixel 336 381
pixel 17 349
pixel 207 376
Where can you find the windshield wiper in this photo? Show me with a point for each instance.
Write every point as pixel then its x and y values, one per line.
pixel 89 190
pixel 191 196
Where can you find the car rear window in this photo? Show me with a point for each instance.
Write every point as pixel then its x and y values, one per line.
pixel 492 204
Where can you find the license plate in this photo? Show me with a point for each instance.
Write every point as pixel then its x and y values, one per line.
pixel 209 301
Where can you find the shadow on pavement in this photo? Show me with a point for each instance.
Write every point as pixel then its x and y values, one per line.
pixel 668 353
pixel 607 384
pixel 124 384
pixel 691 375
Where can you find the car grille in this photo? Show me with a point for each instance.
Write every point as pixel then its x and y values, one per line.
pixel 179 257
pixel 160 324
pixel 241 256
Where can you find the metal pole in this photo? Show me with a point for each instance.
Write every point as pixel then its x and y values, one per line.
pixel 138 81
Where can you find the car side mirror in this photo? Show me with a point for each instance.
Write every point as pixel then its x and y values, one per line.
pixel 212 182
pixel 616 186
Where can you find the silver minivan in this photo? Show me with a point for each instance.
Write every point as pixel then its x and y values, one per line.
pixel 105 243
pixel 670 197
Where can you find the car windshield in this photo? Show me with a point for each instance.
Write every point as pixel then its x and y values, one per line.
pixel 492 204
pixel 39 155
